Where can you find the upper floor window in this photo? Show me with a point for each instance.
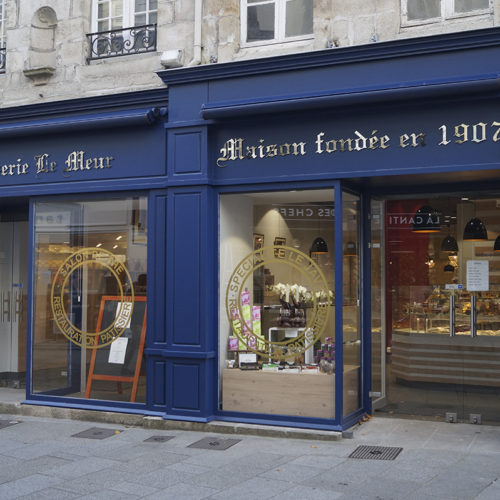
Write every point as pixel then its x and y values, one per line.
pixel 2 35
pixel 425 11
pixel 122 27
pixel 114 14
pixel 276 20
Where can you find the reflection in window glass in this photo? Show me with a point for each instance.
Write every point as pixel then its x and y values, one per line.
pixel 260 22
pixel 299 17
pixel 277 346
pixel 351 304
pixel 468 5
pixel 90 299
pixel 423 9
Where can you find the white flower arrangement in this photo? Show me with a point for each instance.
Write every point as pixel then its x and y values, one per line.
pixel 301 294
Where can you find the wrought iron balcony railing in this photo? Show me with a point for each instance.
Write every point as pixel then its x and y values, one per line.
pixel 122 42
pixel 2 59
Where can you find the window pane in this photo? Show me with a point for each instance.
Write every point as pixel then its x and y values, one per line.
pixel 103 10
pixel 299 17
pixel 117 9
pixel 423 9
pixel 140 5
pixel 468 5
pixel 277 279
pixel 140 19
pixel 90 290
pixel 153 4
pixel 153 18
pixel 260 22
pixel 102 26
pixel 351 305
pixel 116 23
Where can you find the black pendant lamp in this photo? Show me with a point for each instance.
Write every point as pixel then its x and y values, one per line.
pixel 449 245
pixel 475 230
pixel 448 268
pixel 426 220
pixel 496 246
pixel 319 246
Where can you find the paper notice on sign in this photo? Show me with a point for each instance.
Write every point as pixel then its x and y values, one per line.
pixel 478 274
pixel 117 351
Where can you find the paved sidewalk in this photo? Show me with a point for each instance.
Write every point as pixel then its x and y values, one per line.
pixel 40 458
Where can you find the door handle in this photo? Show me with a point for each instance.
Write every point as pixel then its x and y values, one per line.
pixel 5 306
pixel 452 315
pixel 473 316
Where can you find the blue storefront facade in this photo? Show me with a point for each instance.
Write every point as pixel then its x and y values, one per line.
pixel 259 201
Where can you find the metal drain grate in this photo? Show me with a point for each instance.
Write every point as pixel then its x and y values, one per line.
pixel 7 423
pixel 211 443
pixel 376 452
pixel 96 433
pixel 158 439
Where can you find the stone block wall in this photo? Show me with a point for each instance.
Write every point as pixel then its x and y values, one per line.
pixel 47 56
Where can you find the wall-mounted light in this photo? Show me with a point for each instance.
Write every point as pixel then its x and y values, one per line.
pixel 426 220
pixel 475 230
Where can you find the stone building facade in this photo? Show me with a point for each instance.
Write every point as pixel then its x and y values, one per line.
pixel 47 52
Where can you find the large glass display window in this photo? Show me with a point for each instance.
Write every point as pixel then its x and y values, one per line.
pixel 89 287
pixel 276 330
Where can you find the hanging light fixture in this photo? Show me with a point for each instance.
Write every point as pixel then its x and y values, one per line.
pixel 449 245
pixel 475 230
pixel 426 220
pixel 448 268
pixel 496 246
pixel 319 246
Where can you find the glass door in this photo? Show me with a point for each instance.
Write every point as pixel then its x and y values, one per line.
pixel 442 295
pixel 13 297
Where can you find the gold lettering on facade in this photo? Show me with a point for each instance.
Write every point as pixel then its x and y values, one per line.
pixel 77 161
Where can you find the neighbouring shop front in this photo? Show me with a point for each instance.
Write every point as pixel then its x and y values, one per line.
pixel 297 241
pixel 76 182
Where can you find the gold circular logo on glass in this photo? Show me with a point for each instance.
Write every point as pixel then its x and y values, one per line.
pixel 77 260
pixel 314 282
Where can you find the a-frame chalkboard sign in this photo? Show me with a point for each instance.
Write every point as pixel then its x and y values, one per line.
pixel 130 369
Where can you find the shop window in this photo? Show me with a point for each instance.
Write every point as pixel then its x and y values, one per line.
pixel 89 322
pixel 2 35
pixel 276 330
pixel 424 11
pixel 276 20
pixel 122 27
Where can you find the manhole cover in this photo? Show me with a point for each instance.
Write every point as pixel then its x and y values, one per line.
pixel 96 433
pixel 211 443
pixel 7 423
pixel 158 439
pixel 376 452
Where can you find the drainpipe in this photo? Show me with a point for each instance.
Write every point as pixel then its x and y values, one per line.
pixel 198 6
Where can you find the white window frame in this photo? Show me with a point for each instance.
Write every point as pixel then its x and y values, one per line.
pixel 447 13
pixel 128 14
pixel 279 24
pixel 3 40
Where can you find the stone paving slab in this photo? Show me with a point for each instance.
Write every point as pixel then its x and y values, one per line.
pixel 40 459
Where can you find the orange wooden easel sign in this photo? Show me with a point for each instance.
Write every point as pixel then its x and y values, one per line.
pixel 118 378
